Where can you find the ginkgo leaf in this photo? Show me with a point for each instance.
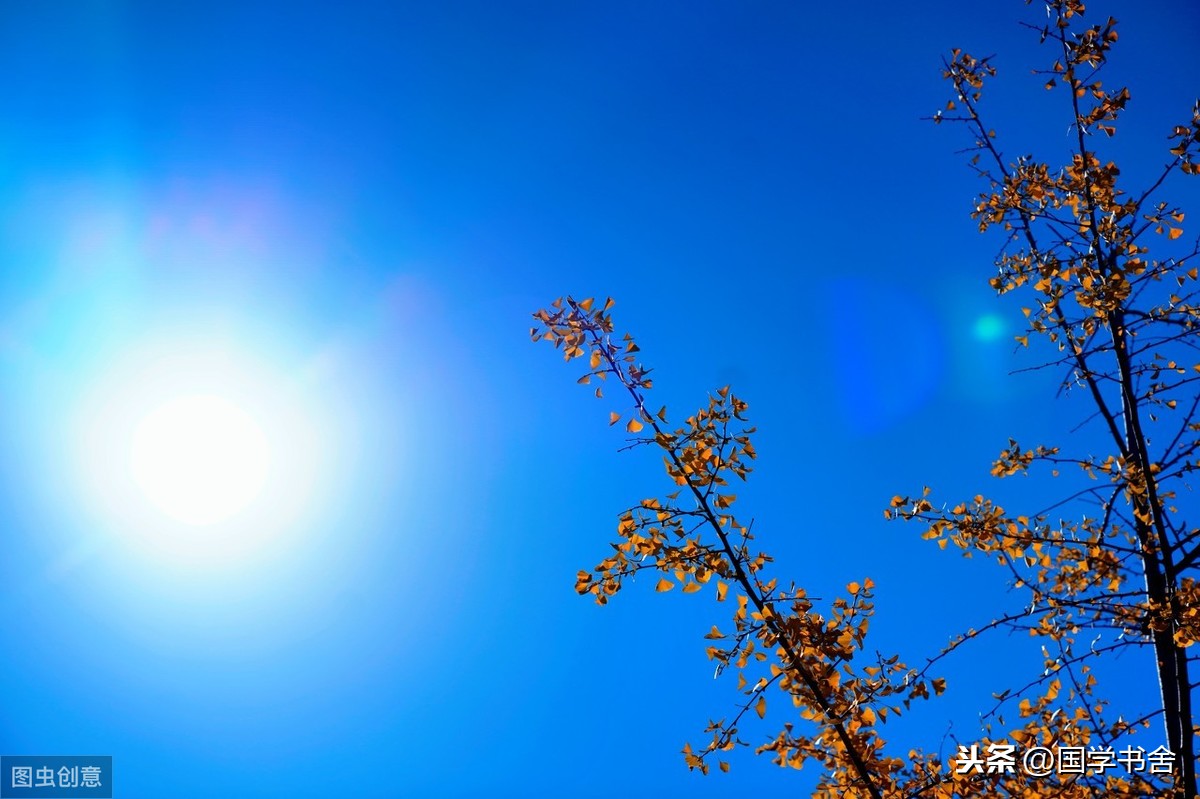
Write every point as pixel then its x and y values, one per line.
pixel 664 585
pixel 760 707
pixel 722 589
pixel 614 417
pixel 587 304
pixel 853 588
pixel 634 426
pixel 691 588
pixel 1174 233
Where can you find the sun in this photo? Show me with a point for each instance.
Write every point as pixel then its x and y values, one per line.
pixel 209 453
pixel 199 458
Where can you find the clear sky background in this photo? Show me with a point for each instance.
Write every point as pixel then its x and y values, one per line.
pixel 343 217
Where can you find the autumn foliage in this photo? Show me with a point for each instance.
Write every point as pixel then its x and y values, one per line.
pixel 1113 567
pixel 776 642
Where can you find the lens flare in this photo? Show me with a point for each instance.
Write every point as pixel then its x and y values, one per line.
pixel 989 327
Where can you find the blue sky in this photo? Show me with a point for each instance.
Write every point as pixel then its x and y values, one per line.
pixel 342 219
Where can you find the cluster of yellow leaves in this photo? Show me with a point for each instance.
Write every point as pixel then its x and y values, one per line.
pixel 1178 615
pixel 1060 710
pixel 1013 460
pixel 1096 227
pixel 778 642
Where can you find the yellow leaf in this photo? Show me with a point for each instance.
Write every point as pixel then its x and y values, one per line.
pixel 1174 233
pixel 721 589
pixel 613 417
pixel 725 500
pixel 595 359
pixel 854 588
pixel 607 304
pixel 691 588
pixel 723 765
pixel 634 426
pixel 587 304
pixel 664 585
pixel 868 716
pixel 662 414
pixel 761 707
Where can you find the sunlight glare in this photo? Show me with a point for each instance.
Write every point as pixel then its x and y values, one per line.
pixel 200 459
pixel 202 453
